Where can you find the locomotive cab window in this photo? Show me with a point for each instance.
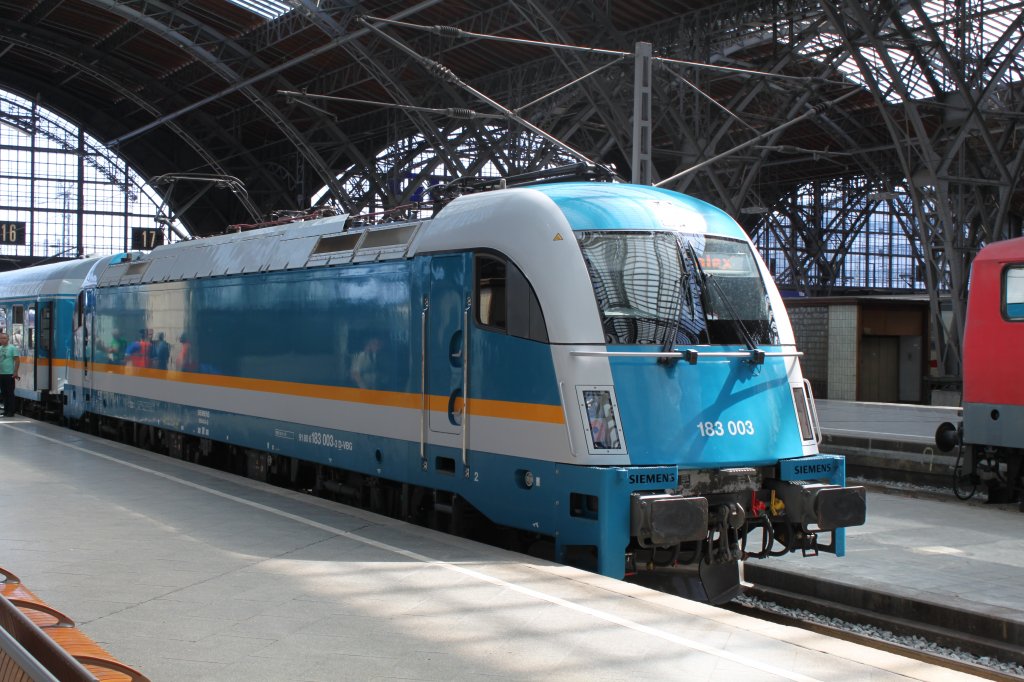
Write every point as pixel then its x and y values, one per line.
pixel 1013 293
pixel 666 288
pixel 504 299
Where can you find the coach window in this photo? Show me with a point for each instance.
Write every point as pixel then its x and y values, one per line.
pixel 18 326
pixel 505 301
pixel 30 325
pixel 1013 293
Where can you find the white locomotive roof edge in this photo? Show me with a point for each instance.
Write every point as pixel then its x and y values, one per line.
pixel 307 244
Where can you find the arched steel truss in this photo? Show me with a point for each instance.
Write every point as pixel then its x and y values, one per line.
pixel 843 127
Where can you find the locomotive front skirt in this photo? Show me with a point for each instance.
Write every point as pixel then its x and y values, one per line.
pixel 605 366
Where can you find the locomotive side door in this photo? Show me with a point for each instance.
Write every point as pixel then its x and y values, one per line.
pixel 445 319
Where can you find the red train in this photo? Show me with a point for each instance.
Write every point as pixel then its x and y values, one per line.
pixel 991 434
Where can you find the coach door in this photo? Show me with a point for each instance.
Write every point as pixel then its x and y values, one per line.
pixel 445 320
pixel 44 347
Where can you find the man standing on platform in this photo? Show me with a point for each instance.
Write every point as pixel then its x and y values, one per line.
pixel 10 360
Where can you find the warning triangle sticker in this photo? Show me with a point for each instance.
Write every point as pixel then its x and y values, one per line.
pixel 558 237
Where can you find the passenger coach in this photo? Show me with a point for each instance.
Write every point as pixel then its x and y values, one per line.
pixel 36 307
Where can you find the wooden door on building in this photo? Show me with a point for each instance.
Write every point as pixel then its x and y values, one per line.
pixel 879 373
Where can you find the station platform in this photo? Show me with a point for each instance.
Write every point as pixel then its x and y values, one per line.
pixel 884 421
pixel 188 573
pixel 943 558
pixel 889 440
pixel 963 556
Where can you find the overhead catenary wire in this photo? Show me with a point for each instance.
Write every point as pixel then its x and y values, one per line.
pixel 443 72
pixel 455 32
pixel 450 112
pixel 569 84
pixel 267 73
pixel 713 101
pixel 813 111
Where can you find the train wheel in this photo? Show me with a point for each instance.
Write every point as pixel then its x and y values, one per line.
pixel 964 485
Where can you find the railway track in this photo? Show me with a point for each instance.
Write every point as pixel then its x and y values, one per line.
pixel 846 612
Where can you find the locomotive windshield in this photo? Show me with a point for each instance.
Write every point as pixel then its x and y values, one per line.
pixel 669 288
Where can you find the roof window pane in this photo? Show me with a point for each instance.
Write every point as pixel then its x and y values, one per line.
pixel 268 9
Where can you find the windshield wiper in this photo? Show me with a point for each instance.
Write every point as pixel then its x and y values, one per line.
pixel 670 338
pixel 734 316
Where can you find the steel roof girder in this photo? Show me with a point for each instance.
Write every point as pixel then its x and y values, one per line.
pixel 32 42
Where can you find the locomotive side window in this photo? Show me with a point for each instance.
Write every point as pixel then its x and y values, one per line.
pixel 490 292
pixel 505 301
pixel 79 310
pixel 1013 292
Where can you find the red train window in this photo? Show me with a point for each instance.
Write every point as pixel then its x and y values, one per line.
pixel 1013 292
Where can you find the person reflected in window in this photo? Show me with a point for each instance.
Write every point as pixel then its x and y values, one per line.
pixel 159 352
pixel 364 364
pixel 185 359
pixel 115 349
pixel 137 353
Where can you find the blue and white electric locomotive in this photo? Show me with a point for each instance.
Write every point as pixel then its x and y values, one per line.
pixel 605 365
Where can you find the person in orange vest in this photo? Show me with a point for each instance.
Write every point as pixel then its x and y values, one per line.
pixel 137 353
pixel 185 361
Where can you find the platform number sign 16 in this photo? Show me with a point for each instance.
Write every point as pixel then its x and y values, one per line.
pixel 146 238
pixel 12 232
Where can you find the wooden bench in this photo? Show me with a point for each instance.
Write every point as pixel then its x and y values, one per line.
pixel 52 639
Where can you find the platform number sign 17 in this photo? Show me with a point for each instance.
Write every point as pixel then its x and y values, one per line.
pixel 146 238
pixel 12 233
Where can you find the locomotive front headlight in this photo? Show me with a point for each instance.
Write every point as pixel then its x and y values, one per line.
pixel 528 479
pixel 601 419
